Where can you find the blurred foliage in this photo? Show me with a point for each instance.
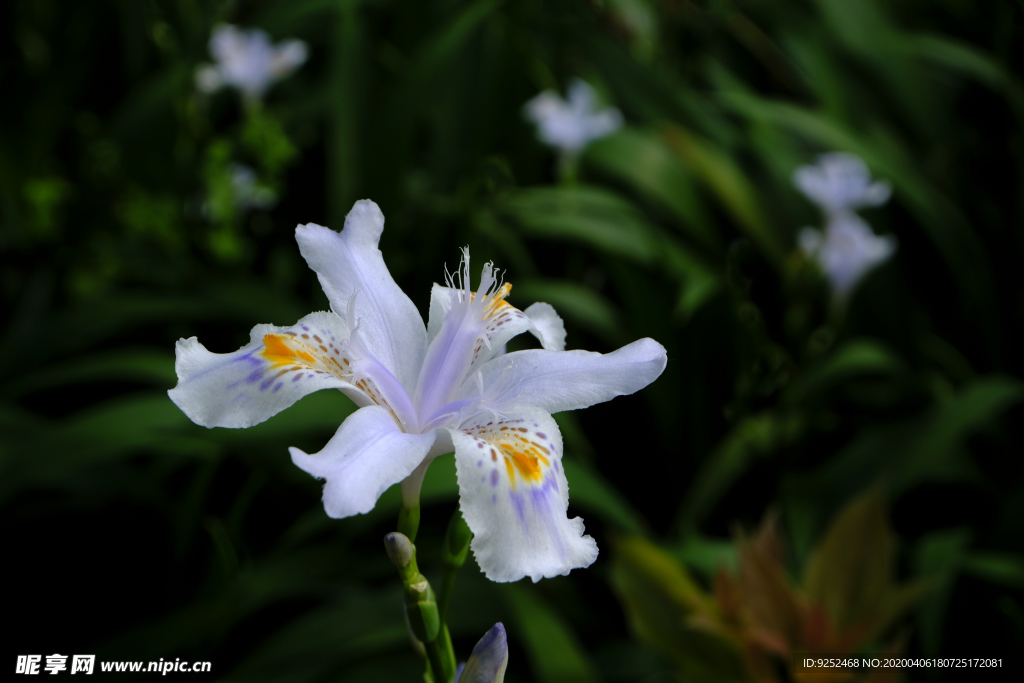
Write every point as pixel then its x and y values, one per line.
pixel 138 535
pixel 756 622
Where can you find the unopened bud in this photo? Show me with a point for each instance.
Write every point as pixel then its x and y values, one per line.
pixel 489 659
pixel 400 549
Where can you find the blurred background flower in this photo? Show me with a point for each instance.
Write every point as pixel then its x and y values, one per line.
pixel 248 192
pixel 247 61
pixel 681 225
pixel 571 124
pixel 847 248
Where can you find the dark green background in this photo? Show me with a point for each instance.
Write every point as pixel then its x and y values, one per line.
pixel 133 534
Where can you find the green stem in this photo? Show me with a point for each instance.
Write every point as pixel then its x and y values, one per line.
pixel 437 659
pixel 454 552
pixel 409 521
pixel 447 585
pixel 568 168
pixel 343 143
pixel 447 651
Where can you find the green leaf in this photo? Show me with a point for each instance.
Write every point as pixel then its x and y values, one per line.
pixel 659 598
pixel 928 447
pixel 591 493
pixel 292 16
pixel 55 453
pixel 706 555
pixel 443 47
pixel 347 52
pixel 360 623
pixel 996 567
pixel 642 159
pixel 935 445
pixel 855 358
pixel 968 60
pixel 58 451
pixel 756 436
pixel 578 303
pixel 148 102
pixel 133 365
pixel 265 138
pixel 723 177
pixel 556 655
pixel 699 282
pixel 242 301
pixel 938 558
pixel 593 216
pixel 850 573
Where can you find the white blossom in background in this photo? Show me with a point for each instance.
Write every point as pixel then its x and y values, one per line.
pixel 841 182
pixel 423 391
pixel 570 125
pixel 246 60
pixel 248 193
pixel 847 248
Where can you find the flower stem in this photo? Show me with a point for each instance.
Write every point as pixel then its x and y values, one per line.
pixel 409 521
pixel 454 552
pixel 441 656
pixel 421 607
pixel 568 168
pixel 447 585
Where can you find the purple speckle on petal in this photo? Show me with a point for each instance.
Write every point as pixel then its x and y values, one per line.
pixel 519 504
pixel 556 466
pixel 265 384
pixel 494 477
pixel 277 386
pixel 255 375
pixel 494 498
pixel 479 463
pixel 297 377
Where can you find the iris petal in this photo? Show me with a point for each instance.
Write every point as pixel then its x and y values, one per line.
pixel 569 380
pixel 275 369
pixel 514 496
pixel 349 263
pixel 366 455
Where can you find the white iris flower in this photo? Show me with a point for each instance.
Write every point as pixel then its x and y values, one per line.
pixel 571 125
pixel 847 249
pixel 425 391
pixel 247 61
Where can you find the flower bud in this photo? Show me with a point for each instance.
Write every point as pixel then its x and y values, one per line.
pixel 400 549
pixel 489 659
